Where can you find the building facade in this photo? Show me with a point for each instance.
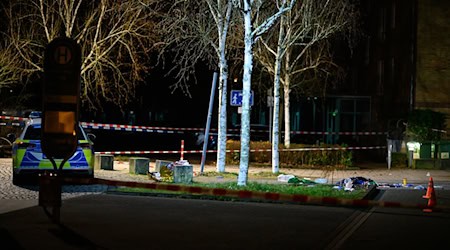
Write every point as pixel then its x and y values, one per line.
pixel 432 89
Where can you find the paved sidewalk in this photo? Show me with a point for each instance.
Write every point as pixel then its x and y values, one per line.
pixel 375 171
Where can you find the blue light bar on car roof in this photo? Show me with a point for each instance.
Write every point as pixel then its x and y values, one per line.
pixel 35 114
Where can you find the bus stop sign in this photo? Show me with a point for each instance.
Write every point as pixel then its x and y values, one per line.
pixel 61 95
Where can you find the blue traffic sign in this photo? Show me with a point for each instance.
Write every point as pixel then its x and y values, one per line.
pixel 236 98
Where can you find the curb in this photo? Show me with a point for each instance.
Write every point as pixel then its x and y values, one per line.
pixel 259 195
pixel 372 193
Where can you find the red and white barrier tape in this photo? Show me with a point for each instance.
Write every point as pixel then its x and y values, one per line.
pixel 336 133
pixel 257 195
pixel 151 129
pixel 181 130
pixel 132 127
pixel 235 150
pixel 10 124
pixel 334 148
pixel 153 152
pixel 14 118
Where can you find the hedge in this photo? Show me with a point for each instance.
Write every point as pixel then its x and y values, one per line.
pixel 293 159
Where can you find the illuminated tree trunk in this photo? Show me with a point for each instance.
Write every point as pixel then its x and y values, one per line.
pixel 223 25
pixel 246 89
pixel 287 101
pixel 250 37
pixel 276 99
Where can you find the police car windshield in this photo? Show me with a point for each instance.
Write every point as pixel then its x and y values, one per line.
pixel 34 133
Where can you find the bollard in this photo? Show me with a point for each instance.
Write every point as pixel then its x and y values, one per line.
pixel 182 174
pixel 104 161
pixel 182 150
pixel 139 165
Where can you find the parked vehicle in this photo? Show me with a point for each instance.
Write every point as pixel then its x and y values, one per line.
pixel 200 138
pixel 29 160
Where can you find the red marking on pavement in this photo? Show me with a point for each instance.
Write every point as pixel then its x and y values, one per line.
pixel 272 196
pixel 330 200
pixel 195 190
pixel 173 188
pixel 244 194
pixel 299 198
pixel 219 191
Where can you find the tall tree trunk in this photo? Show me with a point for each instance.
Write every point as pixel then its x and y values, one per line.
pixel 276 100
pixel 246 88
pixel 222 129
pixel 223 67
pixel 287 112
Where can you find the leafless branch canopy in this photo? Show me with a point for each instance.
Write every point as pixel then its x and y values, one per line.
pixel 190 37
pixel 115 36
pixel 191 31
pixel 9 61
pixel 309 28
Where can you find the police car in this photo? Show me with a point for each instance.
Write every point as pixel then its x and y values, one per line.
pixel 29 161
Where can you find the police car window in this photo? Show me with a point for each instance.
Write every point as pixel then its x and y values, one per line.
pixel 80 135
pixel 34 133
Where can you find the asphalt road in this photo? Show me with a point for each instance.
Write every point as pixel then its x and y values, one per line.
pixel 107 221
pixel 92 219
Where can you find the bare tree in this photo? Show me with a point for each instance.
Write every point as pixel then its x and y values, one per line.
pixel 9 61
pixel 254 27
pixel 222 12
pixel 115 36
pixel 189 38
pixel 192 38
pixel 302 45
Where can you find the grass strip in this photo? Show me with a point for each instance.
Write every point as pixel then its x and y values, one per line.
pixel 317 190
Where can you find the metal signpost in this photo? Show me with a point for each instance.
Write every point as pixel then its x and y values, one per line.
pixel 60 104
pixel 208 122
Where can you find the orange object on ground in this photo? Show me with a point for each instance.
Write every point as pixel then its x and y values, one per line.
pixel 430 189
pixel 431 196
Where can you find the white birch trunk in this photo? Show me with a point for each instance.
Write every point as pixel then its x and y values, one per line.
pixel 250 37
pixel 287 110
pixel 276 100
pixel 222 128
pixel 223 69
pixel 246 88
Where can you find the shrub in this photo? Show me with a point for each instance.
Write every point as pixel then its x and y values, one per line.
pixel 399 160
pixel 421 123
pixel 295 158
